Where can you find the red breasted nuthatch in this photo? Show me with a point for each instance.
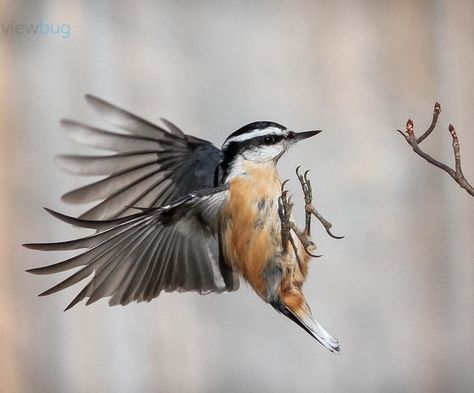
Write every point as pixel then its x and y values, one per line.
pixel 178 214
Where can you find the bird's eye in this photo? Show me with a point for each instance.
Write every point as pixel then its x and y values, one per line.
pixel 268 140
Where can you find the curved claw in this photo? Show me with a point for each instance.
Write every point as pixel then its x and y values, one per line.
pixel 310 254
pixel 334 236
pixel 298 170
pixel 306 175
pixel 283 185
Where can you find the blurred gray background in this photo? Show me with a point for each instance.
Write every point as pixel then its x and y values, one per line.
pixel 398 291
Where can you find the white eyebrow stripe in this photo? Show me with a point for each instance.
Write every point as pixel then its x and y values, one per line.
pixel 256 133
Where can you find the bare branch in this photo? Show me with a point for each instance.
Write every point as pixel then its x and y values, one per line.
pixel 414 142
pixel 436 112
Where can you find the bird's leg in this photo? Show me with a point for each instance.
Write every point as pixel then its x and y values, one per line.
pixel 284 210
pixel 309 208
pixel 308 199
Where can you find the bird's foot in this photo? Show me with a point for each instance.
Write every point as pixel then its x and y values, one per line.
pixel 309 208
pixel 285 206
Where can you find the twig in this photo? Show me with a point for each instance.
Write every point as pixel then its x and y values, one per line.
pixel 414 142
pixel 436 112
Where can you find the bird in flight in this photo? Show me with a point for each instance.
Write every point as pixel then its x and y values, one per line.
pixel 175 213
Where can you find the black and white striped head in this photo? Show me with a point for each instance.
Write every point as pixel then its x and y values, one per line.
pixel 261 141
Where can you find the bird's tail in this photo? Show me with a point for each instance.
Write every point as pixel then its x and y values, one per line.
pixel 303 317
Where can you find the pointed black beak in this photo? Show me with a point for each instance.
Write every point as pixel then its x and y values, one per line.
pixel 299 136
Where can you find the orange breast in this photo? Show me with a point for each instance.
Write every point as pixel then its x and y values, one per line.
pixel 251 225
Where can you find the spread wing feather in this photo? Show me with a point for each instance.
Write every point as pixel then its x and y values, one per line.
pixel 172 248
pixel 151 165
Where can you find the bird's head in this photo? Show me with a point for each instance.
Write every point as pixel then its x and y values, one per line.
pixel 262 141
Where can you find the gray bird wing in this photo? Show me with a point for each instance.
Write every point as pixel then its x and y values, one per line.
pixel 134 258
pixel 151 167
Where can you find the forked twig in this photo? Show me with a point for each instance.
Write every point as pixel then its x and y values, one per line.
pixel 414 142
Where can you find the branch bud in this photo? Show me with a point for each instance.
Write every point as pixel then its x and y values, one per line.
pixel 410 128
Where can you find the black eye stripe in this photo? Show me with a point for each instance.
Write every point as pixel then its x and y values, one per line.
pixel 270 139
